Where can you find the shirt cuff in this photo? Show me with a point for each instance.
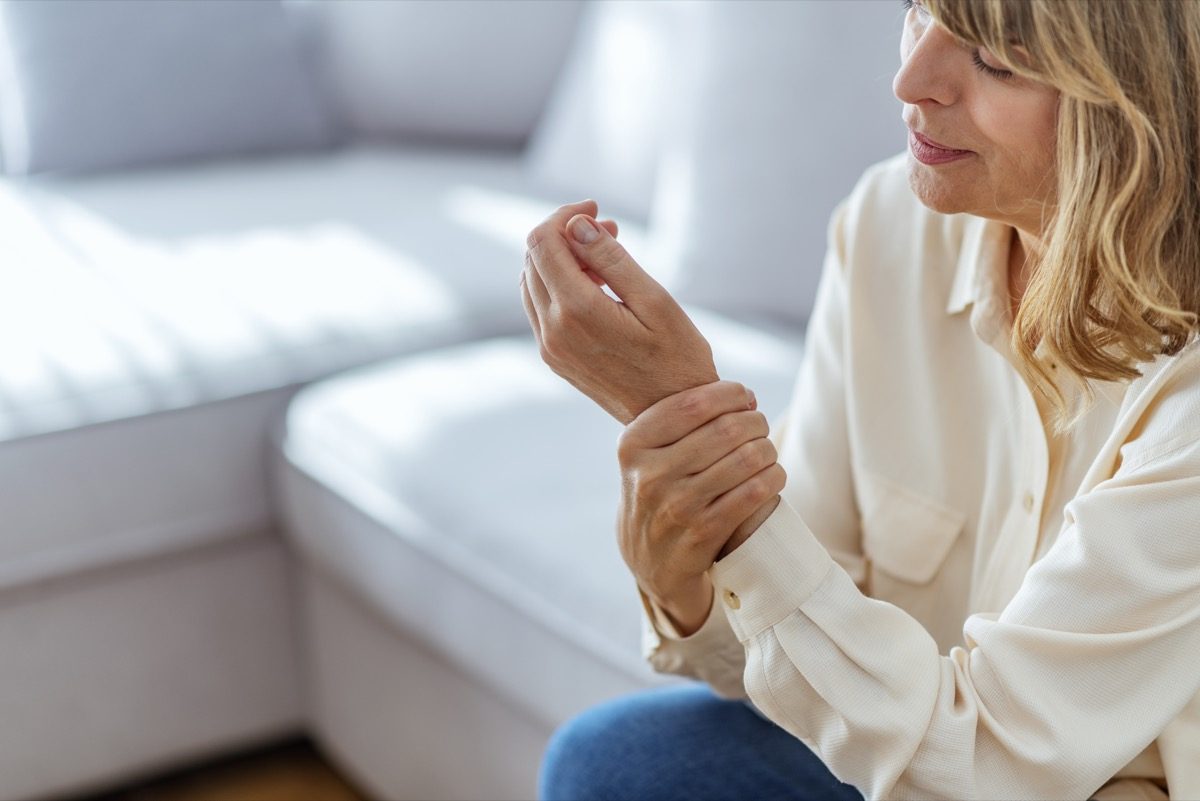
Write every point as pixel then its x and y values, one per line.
pixel 771 574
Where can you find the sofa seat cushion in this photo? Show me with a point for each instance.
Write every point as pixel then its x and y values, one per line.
pixel 154 322
pixel 482 460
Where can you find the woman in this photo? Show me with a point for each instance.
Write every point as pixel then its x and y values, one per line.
pixel 980 577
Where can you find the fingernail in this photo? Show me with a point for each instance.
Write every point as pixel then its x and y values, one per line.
pixel 753 401
pixel 584 231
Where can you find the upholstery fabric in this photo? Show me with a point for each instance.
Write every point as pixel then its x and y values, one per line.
pixel 198 284
pixel 472 70
pixel 786 106
pixel 146 667
pixel 606 123
pixel 155 324
pixel 511 491
pixel 95 86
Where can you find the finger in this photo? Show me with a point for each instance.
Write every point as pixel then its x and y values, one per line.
pixel 717 439
pixel 730 510
pixel 676 416
pixel 596 249
pixel 531 312
pixel 551 256
pixel 611 226
pixel 536 287
pixel 734 469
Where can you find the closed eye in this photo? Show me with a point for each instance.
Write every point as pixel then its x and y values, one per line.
pixel 995 72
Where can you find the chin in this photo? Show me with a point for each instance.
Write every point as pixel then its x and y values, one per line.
pixel 934 190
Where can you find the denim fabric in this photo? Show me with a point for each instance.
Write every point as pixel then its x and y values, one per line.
pixel 682 742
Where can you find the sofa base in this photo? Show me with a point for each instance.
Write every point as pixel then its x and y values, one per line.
pixel 402 722
pixel 138 668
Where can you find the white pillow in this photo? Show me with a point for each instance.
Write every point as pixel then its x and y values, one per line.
pixel 604 126
pixel 470 70
pixel 790 102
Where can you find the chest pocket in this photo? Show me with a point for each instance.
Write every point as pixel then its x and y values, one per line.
pixel 906 536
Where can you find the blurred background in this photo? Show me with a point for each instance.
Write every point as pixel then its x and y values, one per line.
pixel 281 472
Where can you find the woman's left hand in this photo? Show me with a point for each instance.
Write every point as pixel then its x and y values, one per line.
pixel 626 355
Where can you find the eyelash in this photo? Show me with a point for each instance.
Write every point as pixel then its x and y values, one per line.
pixel 1003 75
pixel 979 65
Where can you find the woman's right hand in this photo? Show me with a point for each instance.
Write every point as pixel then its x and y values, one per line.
pixel 694 466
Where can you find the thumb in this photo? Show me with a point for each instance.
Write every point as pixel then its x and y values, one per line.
pixel 597 250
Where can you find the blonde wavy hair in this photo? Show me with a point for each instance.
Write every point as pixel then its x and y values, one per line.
pixel 1118 281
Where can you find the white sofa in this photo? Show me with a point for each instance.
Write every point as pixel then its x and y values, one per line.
pixel 412 559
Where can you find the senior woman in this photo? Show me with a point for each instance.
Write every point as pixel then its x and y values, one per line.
pixel 980 576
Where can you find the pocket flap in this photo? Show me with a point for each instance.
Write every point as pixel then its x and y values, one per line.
pixel 906 534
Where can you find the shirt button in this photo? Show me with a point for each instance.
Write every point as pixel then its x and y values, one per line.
pixel 1027 502
pixel 731 600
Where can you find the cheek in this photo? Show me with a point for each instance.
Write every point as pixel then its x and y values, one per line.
pixel 1021 130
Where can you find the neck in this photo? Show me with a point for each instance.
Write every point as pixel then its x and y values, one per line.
pixel 1023 250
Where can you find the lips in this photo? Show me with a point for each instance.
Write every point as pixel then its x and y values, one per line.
pixel 925 140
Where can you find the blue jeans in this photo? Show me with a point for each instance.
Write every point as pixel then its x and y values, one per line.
pixel 681 742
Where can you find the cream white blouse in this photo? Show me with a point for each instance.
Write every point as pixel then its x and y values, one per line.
pixel 950 602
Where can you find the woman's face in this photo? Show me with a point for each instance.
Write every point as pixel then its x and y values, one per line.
pixel 997 128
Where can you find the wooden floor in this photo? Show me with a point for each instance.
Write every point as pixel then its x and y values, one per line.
pixel 293 771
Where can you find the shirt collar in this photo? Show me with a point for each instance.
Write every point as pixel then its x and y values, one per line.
pixel 981 281
pixel 981 275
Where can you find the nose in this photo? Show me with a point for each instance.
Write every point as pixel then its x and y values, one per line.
pixel 926 73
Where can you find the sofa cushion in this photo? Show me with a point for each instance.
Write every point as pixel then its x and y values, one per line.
pixel 92 86
pixel 154 323
pixel 757 164
pixel 615 103
pixel 473 70
pixel 481 459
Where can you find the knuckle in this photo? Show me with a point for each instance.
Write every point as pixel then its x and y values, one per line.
pixel 735 389
pixel 757 490
pixel 730 429
pixel 534 239
pixel 759 422
pixel 749 456
pixel 766 451
pixel 776 478
pixel 550 342
pixel 569 310
pixel 692 405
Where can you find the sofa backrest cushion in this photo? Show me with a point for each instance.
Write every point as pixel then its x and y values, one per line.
pixel 732 129
pixel 790 103
pixel 97 85
pixel 604 126
pixel 476 71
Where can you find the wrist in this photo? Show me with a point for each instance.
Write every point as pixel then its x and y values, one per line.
pixel 688 608
pixel 748 527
